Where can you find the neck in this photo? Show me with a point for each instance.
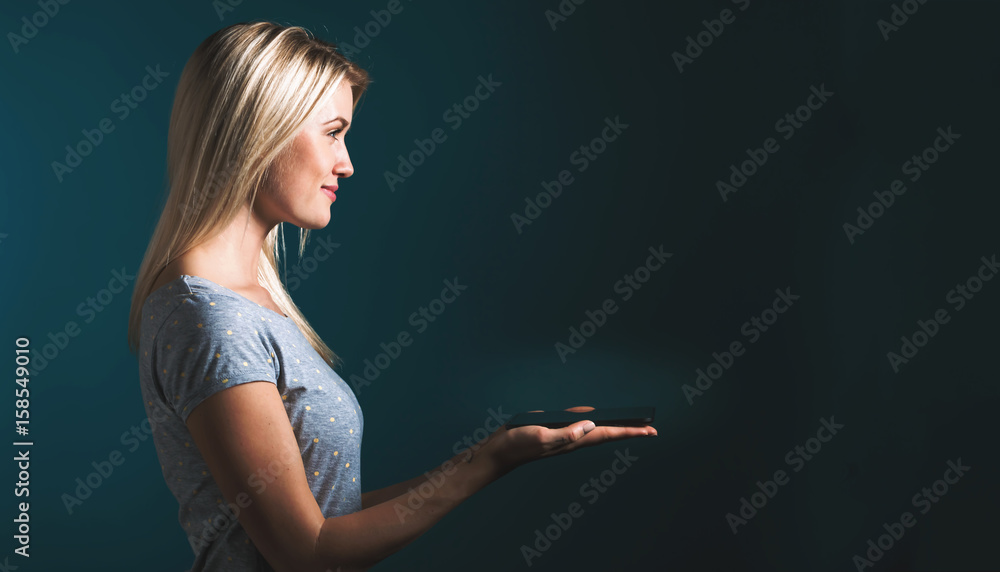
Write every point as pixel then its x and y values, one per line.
pixel 234 253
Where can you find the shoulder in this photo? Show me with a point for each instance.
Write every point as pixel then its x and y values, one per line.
pixel 196 313
pixel 211 340
pixel 193 297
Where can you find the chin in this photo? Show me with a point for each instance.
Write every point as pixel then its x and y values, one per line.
pixel 312 224
pixel 311 220
pixel 317 224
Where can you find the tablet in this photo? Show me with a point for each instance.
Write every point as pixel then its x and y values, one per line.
pixel 616 417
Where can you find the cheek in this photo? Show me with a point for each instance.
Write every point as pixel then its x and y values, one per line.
pixel 327 158
pixel 301 176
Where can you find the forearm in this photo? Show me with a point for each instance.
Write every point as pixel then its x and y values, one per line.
pixel 378 496
pixel 361 539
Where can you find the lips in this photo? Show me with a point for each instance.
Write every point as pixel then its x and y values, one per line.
pixel 329 191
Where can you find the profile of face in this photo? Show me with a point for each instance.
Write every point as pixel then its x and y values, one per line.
pixel 300 185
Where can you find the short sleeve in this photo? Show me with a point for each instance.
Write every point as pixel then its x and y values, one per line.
pixel 207 344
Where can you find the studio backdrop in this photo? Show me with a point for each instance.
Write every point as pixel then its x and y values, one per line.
pixel 775 222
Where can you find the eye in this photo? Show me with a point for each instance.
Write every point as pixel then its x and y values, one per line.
pixel 334 133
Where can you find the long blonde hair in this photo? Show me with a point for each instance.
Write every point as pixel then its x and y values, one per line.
pixel 242 97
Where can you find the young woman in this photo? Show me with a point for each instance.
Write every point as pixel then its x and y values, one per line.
pixel 259 439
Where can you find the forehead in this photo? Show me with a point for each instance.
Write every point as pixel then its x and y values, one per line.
pixel 336 104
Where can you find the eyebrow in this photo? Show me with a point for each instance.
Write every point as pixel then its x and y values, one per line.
pixel 341 119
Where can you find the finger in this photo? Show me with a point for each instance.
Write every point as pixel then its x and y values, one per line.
pixel 580 409
pixel 606 433
pixel 574 432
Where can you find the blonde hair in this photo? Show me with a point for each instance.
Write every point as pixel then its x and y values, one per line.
pixel 241 99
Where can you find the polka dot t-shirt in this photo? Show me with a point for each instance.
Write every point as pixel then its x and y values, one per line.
pixel 199 338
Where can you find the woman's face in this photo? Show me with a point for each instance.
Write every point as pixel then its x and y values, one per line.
pixel 299 187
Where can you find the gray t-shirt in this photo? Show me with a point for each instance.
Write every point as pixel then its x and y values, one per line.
pixel 197 339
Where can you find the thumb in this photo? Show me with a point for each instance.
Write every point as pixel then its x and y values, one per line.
pixel 579 429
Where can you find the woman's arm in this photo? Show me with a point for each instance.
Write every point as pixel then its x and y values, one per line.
pixel 378 496
pixel 245 430
pixel 394 523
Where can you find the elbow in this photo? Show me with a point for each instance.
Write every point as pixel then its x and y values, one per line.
pixel 323 552
pixel 331 555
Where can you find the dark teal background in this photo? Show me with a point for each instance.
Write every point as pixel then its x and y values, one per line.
pixel 494 346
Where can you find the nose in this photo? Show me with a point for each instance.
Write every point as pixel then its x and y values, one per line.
pixel 343 166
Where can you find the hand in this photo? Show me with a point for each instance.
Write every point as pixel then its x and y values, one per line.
pixel 511 448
